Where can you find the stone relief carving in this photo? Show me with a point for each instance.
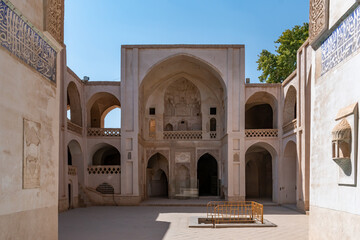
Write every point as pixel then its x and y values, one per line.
pixel 31 161
pixel 318 19
pixel 26 43
pixel 182 106
pixel 55 19
pixel 182 157
pixel 342 42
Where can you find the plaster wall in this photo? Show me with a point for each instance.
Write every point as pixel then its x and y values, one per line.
pixel 327 223
pixel 331 92
pixel 337 8
pixel 32 10
pixel 26 94
pixel 94 180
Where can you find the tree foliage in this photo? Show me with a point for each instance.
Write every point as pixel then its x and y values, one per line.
pixel 277 67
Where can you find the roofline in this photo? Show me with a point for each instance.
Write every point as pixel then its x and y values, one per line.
pixel 184 46
pixel 262 84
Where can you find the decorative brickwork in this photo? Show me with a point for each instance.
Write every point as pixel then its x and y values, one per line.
pixel 261 133
pixel 72 171
pixel 183 135
pixel 104 132
pixel 104 170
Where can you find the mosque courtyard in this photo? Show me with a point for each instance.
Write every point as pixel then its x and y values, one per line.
pixel 171 222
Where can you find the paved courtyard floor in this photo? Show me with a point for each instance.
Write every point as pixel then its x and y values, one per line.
pixel 171 222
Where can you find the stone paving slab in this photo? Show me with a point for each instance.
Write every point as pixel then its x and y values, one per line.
pixel 151 222
pixel 194 223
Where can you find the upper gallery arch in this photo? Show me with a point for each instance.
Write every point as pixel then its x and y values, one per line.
pixel 181 63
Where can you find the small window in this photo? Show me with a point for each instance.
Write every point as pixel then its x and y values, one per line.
pixel 152 111
pixel 213 125
pixel 213 111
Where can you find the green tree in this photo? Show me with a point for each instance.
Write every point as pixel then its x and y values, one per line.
pixel 277 67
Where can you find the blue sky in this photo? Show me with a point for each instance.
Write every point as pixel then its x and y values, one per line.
pixel 95 30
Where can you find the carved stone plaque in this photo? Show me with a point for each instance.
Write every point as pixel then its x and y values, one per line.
pixel 31 161
pixel 182 157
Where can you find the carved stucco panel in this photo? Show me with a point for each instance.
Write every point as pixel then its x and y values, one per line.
pixel 31 161
pixel 182 157
pixel 55 19
pixel 318 18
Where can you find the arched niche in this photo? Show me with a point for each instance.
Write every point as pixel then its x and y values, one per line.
pixel 76 158
pixel 289 172
pixel 74 104
pixel 182 174
pixel 289 111
pixel 106 155
pixel 261 111
pixel 157 172
pixel 99 105
pixel 161 75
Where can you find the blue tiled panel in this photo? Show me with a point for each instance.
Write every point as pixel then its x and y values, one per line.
pixel 23 41
pixel 342 42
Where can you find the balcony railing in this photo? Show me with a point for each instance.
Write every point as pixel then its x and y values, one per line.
pixel 289 126
pixel 104 132
pixel 261 133
pixel 101 169
pixel 74 127
pixel 213 134
pixel 182 135
pixel 72 171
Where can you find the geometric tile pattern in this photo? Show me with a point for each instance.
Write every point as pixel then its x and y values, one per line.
pixel 344 41
pixel 22 40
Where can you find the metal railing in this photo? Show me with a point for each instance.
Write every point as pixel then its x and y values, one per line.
pixel 234 212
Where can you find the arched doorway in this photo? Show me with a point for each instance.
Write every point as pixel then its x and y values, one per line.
pixel 157 176
pixel 288 192
pixel 207 175
pixel 258 173
pixel 75 158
